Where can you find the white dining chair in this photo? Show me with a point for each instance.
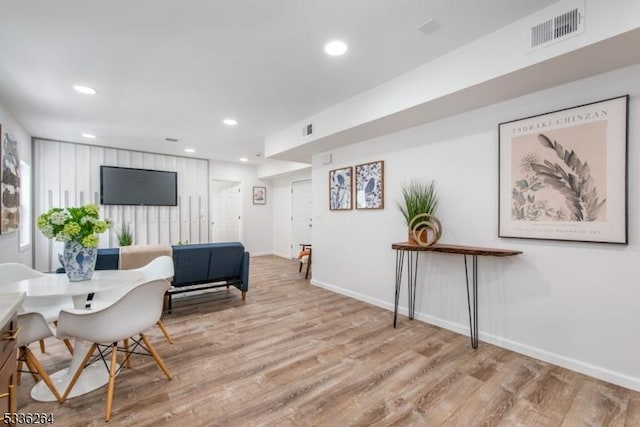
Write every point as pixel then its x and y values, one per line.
pixel 48 306
pixel 138 310
pixel 159 268
pixel 33 327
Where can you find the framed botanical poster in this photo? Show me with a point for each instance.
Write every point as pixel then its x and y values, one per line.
pixel 10 184
pixel 563 175
pixel 370 185
pixel 340 190
pixel 259 195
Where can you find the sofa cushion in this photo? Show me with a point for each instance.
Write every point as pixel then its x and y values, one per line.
pixel 199 263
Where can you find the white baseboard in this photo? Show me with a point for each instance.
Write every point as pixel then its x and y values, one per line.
pixel 281 255
pixel 252 254
pixel 599 372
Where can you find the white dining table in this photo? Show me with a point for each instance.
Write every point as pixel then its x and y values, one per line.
pixel 94 375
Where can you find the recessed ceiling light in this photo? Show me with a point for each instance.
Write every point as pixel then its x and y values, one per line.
pixel 335 48
pixel 89 135
pixel 189 150
pixel 230 122
pixel 85 89
pixel 244 159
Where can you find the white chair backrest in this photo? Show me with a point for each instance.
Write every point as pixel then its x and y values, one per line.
pixel 33 327
pixel 12 272
pixel 159 268
pixel 138 310
pixel 48 306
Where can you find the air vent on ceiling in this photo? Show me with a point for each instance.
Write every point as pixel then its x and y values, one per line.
pixel 558 28
pixel 307 130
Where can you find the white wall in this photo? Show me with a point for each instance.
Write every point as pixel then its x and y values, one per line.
pixel 9 243
pixel 281 190
pixel 256 220
pixel 493 68
pixel 574 304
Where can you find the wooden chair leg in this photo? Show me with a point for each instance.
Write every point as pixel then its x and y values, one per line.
pixel 19 373
pixel 126 354
pixel 43 374
pixel 69 345
pixel 164 332
pixel 78 372
pixel 244 295
pixel 306 276
pixel 112 381
pixel 30 367
pixel 156 356
pixel 300 268
pixel 42 350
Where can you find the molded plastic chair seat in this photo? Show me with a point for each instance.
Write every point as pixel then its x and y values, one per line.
pixel 160 268
pixel 138 310
pixel 34 327
pixel 49 307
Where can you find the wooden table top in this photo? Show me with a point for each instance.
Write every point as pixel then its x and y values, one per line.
pixel 454 249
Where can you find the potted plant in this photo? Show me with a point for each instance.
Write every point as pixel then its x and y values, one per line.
pixel 78 228
pixel 419 197
pixel 125 235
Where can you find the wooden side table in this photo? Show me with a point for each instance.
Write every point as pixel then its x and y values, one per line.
pixel 412 270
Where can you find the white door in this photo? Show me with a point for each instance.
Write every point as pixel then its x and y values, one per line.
pixel 301 215
pixel 225 225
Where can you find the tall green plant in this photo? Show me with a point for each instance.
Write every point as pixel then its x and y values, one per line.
pixel 418 197
pixel 125 235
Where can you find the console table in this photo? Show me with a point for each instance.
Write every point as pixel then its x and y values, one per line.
pixel 412 269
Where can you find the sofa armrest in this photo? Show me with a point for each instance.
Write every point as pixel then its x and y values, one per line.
pixel 244 272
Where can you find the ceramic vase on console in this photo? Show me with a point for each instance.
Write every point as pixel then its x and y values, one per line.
pixel 79 262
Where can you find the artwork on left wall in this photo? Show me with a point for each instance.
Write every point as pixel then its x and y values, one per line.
pixel 10 184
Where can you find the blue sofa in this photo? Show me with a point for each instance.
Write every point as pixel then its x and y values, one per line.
pixel 197 266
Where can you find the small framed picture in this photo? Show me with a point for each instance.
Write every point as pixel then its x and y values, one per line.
pixel 340 189
pixel 370 185
pixel 259 195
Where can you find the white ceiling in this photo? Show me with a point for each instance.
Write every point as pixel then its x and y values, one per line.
pixel 167 68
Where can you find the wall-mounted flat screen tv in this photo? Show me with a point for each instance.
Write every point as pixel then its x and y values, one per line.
pixel 128 186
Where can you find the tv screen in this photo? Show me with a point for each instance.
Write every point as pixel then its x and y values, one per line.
pixel 128 186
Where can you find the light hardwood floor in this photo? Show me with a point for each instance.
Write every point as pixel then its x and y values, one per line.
pixel 297 355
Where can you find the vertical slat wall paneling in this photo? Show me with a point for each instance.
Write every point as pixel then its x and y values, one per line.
pixel 110 158
pixel 183 203
pixel 83 175
pixel 47 195
pixel 151 226
pixel 174 212
pixel 202 181
pixel 68 174
pixel 96 159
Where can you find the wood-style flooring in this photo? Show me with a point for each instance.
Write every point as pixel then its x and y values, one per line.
pixel 297 355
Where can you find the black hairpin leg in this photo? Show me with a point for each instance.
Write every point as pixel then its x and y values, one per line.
pixel 473 308
pixel 412 273
pixel 399 264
